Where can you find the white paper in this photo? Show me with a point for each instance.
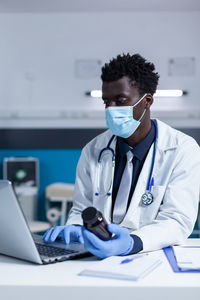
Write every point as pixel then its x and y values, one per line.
pixel 188 258
pixel 138 266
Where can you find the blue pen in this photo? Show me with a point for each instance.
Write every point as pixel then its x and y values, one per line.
pixel 152 183
pixel 127 260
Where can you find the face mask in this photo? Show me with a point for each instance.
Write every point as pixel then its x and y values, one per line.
pixel 120 121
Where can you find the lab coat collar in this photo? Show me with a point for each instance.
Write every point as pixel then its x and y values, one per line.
pixel 166 141
pixel 103 140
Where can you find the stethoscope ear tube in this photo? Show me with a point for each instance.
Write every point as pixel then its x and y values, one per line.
pixel 97 178
pixel 108 148
pixel 147 197
pixel 149 184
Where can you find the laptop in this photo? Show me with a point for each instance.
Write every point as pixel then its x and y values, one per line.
pixel 17 241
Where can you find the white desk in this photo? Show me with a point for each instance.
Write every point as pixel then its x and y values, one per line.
pixel 22 280
pixel 37 226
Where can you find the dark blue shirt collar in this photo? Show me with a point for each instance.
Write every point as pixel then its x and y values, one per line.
pixel 140 150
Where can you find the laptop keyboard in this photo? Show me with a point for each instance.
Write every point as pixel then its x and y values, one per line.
pixel 50 251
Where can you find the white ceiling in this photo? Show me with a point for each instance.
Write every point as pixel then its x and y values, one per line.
pixel 58 6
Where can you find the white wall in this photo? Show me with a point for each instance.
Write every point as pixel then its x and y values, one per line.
pixel 38 53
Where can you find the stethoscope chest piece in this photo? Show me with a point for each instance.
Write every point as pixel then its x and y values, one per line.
pixel 147 198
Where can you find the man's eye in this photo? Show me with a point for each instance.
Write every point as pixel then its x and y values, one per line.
pixel 121 101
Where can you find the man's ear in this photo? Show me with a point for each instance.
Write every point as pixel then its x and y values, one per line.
pixel 149 101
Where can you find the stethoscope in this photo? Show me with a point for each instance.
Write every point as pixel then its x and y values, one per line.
pixel 147 197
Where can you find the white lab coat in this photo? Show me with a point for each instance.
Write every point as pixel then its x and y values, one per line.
pixel 170 218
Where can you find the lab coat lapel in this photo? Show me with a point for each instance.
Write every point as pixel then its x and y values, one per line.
pixel 104 202
pixel 131 219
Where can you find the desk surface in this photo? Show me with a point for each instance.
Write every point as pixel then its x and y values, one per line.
pixel 23 280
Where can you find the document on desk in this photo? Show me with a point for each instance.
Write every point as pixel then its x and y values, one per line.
pixel 132 267
pixel 187 257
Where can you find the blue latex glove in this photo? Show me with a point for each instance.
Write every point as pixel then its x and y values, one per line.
pixel 121 244
pixel 68 233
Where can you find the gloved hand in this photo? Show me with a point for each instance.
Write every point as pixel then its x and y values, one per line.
pixel 68 233
pixel 121 244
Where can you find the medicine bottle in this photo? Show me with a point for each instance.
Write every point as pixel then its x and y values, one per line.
pixel 94 221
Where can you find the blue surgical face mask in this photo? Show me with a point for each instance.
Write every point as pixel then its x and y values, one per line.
pixel 120 120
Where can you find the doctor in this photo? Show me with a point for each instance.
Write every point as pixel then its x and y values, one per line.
pixel 141 174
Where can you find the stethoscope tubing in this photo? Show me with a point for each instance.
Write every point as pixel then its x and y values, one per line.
pixel 108 148
pixel 153 158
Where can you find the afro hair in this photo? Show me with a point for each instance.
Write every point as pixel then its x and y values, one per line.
pixel 141 72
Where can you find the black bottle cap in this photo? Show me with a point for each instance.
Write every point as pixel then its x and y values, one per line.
pixel 90 215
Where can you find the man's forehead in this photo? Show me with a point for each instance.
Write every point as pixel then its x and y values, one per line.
pixel 122 85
